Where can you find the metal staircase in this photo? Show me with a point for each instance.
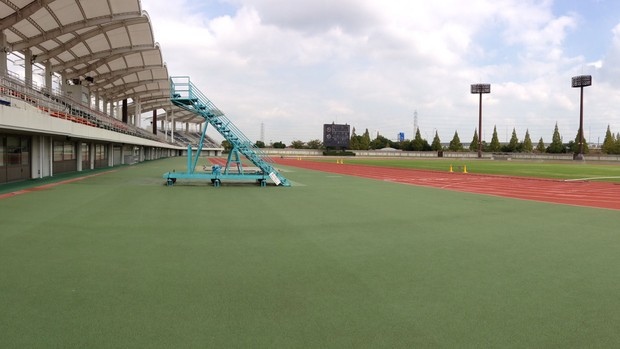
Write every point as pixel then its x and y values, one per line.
pixel 185 95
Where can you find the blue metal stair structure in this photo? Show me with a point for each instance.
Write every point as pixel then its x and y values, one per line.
pixel 185 95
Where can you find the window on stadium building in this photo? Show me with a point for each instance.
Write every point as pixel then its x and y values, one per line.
pixel 100 152
pixel 2 152
pixel 64 151
pixel 25 150
pixel 85 152
pixel 14 150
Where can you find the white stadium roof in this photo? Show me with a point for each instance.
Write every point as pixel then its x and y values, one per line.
pixel 107 45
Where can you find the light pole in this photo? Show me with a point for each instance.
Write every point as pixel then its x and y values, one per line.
pixel 480 89
pixel 581 81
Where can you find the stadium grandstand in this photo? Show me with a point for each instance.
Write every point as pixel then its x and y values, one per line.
pixel 83 85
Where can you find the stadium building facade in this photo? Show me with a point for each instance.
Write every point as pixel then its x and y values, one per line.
pixel 83 85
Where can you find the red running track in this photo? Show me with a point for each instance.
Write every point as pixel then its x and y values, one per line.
pixel 576 193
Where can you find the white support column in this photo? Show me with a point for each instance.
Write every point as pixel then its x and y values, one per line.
pixel 173 127
pixel 79 156
pixel 41 156
pixel 165 128
pixel 63 84
pixel 48 76
pixel 105 106
pixel 97 101
pixel 3 54
pixel 51 157
pixel 137 112
pixel 28 66
pixel 91 153
pixel 36 156
pixel 111 155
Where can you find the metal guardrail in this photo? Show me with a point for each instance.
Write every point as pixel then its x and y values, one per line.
pixel 60 105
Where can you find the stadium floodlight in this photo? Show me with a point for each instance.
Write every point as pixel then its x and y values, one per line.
pixel 581 81
pixel 480 89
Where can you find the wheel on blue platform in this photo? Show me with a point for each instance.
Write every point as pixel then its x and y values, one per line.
pixel 263 182
pixel 170 181
pixel 216 182
pixel 212 180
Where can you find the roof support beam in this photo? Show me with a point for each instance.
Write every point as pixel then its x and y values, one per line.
pixel 108 78
pixel 142 94
pixel 126 87
pixel 89 34
pixel 23 13
pixel 101 55
pixel 70 28
pixel 113 56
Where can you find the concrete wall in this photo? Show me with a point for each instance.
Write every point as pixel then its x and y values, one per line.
pixel 446 154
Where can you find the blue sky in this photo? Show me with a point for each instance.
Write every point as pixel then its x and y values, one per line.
pixel 596 18
pixel 295 65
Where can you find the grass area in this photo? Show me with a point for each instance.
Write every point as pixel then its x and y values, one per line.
pixel 560 170
pixel 120 260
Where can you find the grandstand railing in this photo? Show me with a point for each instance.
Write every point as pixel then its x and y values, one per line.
pixel 60 105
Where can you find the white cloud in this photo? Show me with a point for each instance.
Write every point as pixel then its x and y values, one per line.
pixel 296 65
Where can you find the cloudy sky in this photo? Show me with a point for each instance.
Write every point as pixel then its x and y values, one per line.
pixel 296 65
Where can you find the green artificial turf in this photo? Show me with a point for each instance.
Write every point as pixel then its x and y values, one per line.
pixel 561 170
pixel 120 260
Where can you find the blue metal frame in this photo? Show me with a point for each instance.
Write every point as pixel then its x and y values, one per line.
pixel 185 95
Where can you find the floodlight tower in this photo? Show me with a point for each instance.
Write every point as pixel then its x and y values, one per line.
pixel 581 81
pixel 480 89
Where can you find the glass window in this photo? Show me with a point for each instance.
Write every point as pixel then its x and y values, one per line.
pixel 14 150
pixel 68 153
pixel 85 152
pixel 58 149
pixel 100 152
pixel 2 151
pixel 25 150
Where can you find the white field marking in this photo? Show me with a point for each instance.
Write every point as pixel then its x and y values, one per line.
pixel 589 179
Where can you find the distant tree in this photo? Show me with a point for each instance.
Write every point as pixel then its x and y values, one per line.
pixel 354 143
pixel 473 146
pixel 494 146
pixel 365 141
pixel 418 143
pixel 575 145
pixel 436 146
pixel 260 144
pixel 380 142
pixel 556 146
pixel 426 146
pixel 514 142
pixel 540 148
pixel 279 145
pixel 527 146
pixel 314 144
pixel 298 144
pixel 226 145
pixel 455 143
pixel 609 144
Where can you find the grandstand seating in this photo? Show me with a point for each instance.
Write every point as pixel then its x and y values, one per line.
pixel 60 106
